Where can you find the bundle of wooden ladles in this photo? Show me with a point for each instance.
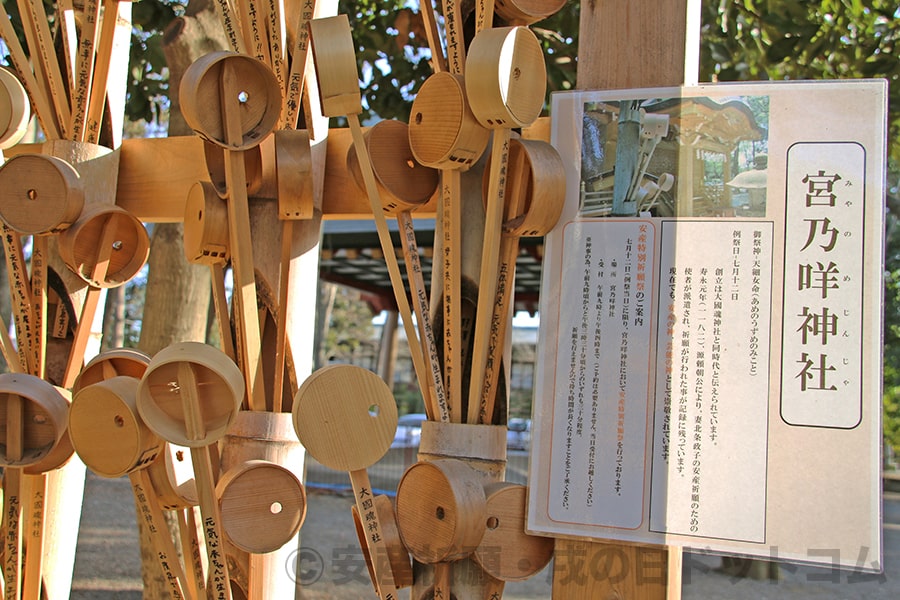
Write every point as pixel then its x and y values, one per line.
pixel 139 416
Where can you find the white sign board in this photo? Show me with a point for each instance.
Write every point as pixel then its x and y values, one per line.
pixel 711 310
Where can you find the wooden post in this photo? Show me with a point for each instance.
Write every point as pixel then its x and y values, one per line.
pixel 640 43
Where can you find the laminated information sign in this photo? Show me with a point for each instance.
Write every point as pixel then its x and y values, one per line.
pixel 711 310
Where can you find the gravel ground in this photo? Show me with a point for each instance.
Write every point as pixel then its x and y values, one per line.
pixel 107 564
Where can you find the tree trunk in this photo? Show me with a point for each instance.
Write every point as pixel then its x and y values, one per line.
pixel 114 318
pixel 177 293
pixel 323 318
pixel 387 349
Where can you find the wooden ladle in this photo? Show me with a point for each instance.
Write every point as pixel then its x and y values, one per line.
pixel 263 505
pixel 335 61
pixel 505 84
pixel 533 200
pixel 506 552
pixel 234 101
pixel 32 422
pixel 444 134
pixel 112 440
pixel 405 185
pixel 346 418
pixel 39 195
pixel 15 110
pixel 189 396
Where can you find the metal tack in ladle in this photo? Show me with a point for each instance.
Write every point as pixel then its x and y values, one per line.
pixel 346 418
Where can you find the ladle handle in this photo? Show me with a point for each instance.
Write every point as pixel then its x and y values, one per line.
pixel 190 549
pixel 219 580
pixel 443 575
pixel 451 214
pixel 12 526
pixel 229 22
pixel 163 547
pixel 31 584
pixel 82 335
pixel 240 241
pixel 296 80
pixel 20 292
pixel 514 200
pixel 423 313
pixel 43 110
pixel 84 70
pixel 384 237
pixel 39 256
pixel 484 14
pixel 220 303
pixel 487 281
pixel 91 301
pixel 12 497
pixel 195 428
pixel 375 538
pixel 438 62
pixel 453 30
pixel 287 238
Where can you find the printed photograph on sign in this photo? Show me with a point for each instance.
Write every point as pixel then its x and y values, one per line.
pixel 688 157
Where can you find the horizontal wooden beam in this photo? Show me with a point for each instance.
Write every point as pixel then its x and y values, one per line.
pixel 156 174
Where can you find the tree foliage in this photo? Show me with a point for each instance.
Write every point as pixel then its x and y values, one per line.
pixel 781 39
pixel 148 77
pixel 350 326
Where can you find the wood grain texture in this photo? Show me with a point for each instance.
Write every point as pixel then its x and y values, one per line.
pixel 441 510
pixel 335 60
pixel 506 552
pixel 345 416
pixel 196 374
pixel 15 110
pixel 640 43
pixel 104 426
pixel 263 505
pixel 156 174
